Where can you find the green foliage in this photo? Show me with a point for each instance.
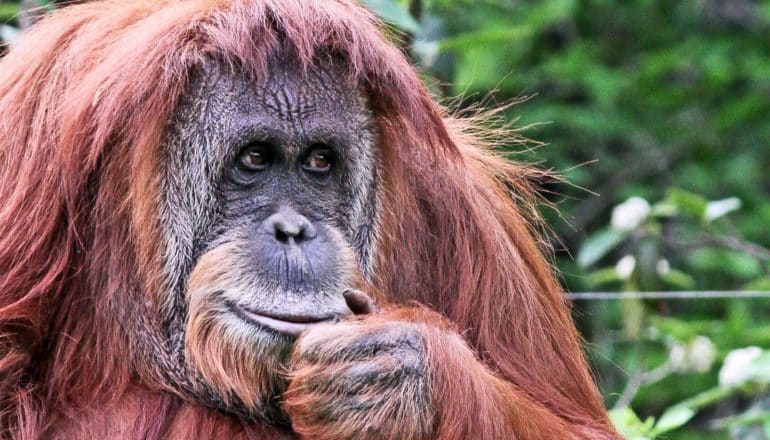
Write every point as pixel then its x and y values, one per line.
pixel 599 245
pixel 754 376
pixel 8 11
pixel 649 95
pixel 394 13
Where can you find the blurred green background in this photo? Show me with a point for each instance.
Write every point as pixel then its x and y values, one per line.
pixel 658 116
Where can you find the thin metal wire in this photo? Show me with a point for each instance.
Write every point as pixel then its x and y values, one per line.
pixel 710 294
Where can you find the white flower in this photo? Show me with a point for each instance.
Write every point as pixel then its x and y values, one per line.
pixel 625 267
pixel 662 267
pixel 677 357
pixel 719 208
pixel 630 214
pixel 697 357
pixel 735 369
pixel 702 354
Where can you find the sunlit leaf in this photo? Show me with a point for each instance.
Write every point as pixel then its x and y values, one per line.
pixel 678 279
pixel 395 13
pixel 727 262
pixel 688 202
pixel 599 245
pixel 602 277
pixel 664 209
pixel 504 34
pixel 630 426
pixel 8 11
pixel 673 418
pixel 758 284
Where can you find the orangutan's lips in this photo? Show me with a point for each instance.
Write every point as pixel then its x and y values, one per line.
pixel 291 325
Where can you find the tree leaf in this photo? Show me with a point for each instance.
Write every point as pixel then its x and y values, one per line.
pixel 664 209
pixel 602 277
pixel 688 202
pixel 758 284
pixel 491 35
pixel 599 245
pixel 721 261
pixel 8 11
pixel 673 418
pixel 627 422
pixel 678 279
pixel 394 13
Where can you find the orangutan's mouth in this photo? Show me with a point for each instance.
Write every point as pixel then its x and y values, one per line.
pixel 291 325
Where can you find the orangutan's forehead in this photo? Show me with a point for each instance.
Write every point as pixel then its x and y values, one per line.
pixel 292 91
pixel 289 104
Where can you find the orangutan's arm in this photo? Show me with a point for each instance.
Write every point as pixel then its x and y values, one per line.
pixel 404 374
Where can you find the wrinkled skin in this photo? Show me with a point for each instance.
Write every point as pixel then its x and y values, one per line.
pixel 348 376
pixel 231 253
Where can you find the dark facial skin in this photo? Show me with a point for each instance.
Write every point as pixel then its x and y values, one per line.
pixel 292 181
pixel 271 184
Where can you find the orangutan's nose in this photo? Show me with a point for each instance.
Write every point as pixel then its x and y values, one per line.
pixel 289 227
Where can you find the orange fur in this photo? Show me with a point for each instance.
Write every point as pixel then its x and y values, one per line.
pixel 226 355
pixel 86 95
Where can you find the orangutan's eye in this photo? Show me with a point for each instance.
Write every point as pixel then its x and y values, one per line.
pixel 255 157
pixel 319 160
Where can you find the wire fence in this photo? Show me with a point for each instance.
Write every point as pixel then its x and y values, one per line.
pixel 707 294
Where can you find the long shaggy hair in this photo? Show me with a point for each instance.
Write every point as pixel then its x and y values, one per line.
pixel 86 95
